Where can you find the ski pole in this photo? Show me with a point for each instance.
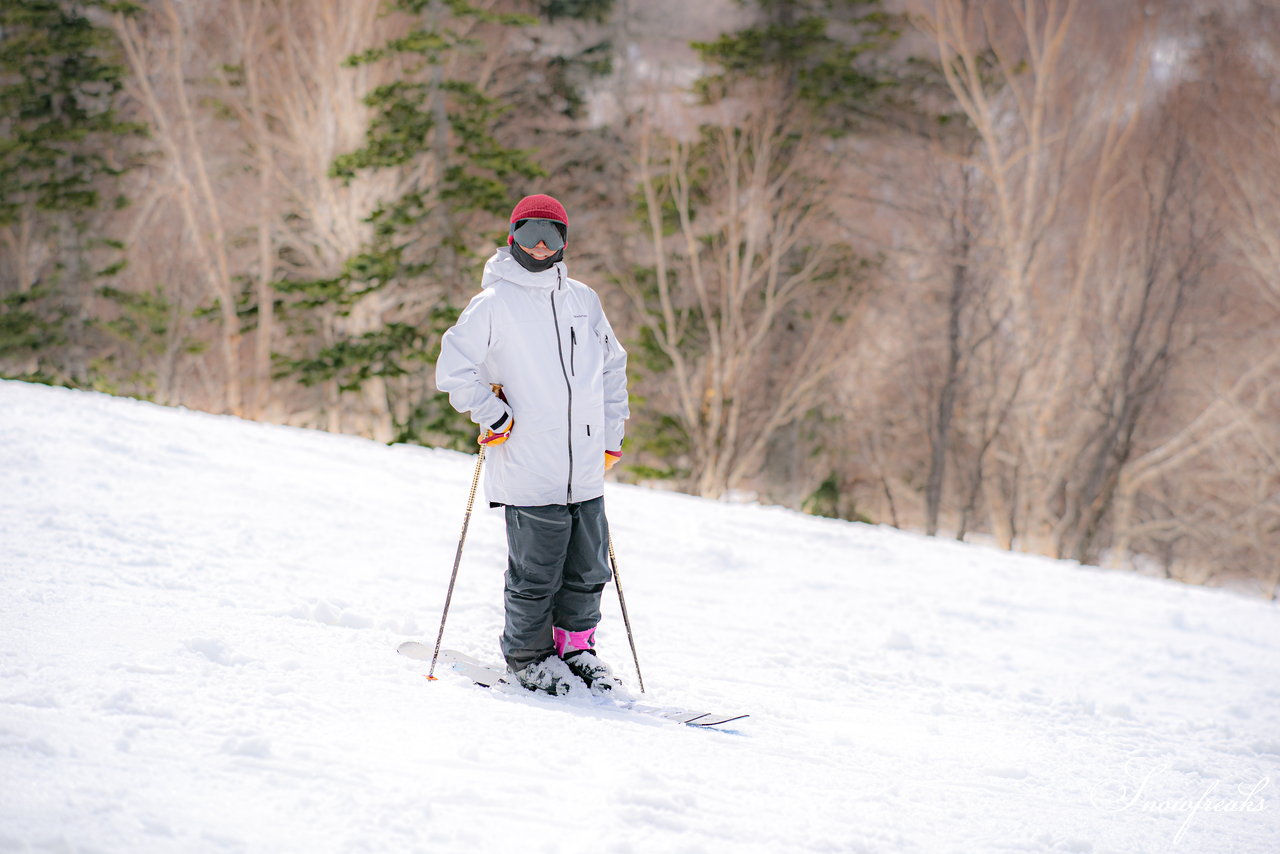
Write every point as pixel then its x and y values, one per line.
pixel 626 620
pixel 457 559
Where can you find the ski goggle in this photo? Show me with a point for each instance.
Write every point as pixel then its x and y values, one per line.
pixel 530 232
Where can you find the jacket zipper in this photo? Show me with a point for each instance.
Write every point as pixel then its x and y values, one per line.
pixel 569 386
pixel 573 349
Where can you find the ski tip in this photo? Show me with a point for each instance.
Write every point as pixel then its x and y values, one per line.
pixel 711 721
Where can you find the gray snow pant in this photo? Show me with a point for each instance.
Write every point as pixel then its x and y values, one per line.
pixel 557 567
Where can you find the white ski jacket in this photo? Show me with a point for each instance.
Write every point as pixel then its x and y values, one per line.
pixel 545 339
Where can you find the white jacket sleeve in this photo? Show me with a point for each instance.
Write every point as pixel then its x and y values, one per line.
pixel 460 369
pixel 616 408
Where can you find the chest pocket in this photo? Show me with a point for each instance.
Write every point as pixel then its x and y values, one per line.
pixel 586 349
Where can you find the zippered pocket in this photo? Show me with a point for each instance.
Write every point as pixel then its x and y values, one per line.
pixel 573 349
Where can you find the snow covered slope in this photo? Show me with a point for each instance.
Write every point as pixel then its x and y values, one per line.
pixel 198 618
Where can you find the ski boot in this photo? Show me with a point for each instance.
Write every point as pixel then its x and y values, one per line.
pixel 549 675
pixel 578 651
pixel 584 664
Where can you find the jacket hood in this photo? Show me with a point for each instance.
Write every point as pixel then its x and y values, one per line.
pixel 503 266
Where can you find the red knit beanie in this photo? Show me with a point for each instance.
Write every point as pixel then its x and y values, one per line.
pixel 539 206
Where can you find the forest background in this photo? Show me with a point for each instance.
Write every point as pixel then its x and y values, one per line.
pixel 999 269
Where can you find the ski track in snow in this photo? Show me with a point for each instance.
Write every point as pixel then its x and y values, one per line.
pixel 199 617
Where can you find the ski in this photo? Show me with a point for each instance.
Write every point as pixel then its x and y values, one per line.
pixel 490 676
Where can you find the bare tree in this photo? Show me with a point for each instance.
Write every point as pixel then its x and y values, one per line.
pixel 1139 334
pixel 252 102
pixel 749 306
pixel 158 51
pixel 301 106
pixel 1058 167
pixel 1206 492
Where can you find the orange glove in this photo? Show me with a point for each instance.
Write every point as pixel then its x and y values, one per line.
pixel 611 459
pixel 501 430
pixel 498 433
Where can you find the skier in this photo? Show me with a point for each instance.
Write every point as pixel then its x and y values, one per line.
pixel 536 364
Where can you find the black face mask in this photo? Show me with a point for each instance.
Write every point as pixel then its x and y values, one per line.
pixel 533 265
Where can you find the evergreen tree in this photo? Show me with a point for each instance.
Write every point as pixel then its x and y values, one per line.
pixel 421 261
pixel 60 152
pixel 830 57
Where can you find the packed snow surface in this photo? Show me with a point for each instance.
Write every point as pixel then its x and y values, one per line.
pixel 199 617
